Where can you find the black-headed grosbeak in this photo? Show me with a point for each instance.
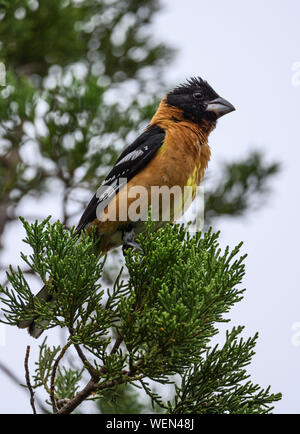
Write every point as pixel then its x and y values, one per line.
pixel 172 151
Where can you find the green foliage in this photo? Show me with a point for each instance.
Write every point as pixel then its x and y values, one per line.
pixel 67 383
pixel 157 324
pixel 67 379
pixel 63 32
pixel 243 185
pixel 186 286
pixel 124 399
pixel 44 365
pixel 225 368
pixel 70 273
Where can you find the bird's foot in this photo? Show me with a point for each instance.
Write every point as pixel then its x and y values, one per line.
pixel 129 240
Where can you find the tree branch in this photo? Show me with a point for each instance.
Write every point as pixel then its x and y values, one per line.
pixel 116 345
pixel 86 363
pixel 27 377
pixel 93 384
pixel 55 366
pixel 92 387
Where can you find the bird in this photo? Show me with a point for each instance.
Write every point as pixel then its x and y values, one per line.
pixel 173 151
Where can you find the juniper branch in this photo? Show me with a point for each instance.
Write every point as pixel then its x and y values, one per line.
pixel 27 377
pixel 54 369
pixel 165 315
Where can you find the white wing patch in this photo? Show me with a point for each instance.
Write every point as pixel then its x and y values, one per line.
pixel 131 156
pixel 105 191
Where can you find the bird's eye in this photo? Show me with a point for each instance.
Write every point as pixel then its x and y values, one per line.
pixel 197 95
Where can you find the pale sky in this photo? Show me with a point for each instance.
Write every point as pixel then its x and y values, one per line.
pixel 249 52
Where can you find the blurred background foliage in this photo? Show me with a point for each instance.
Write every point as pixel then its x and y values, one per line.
pixel 83 80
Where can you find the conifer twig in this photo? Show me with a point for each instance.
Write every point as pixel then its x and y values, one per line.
pixel 117 343
pixel 27 377
pixel 55 366
pixel 84 359
pixel 91 387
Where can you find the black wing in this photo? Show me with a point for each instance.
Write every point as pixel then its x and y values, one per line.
pixel 130 162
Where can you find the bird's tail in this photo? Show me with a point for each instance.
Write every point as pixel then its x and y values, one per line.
pixel 33 330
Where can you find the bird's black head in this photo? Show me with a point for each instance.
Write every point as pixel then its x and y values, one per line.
pixel 198 101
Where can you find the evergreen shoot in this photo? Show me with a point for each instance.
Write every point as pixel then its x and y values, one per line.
pixel 151 330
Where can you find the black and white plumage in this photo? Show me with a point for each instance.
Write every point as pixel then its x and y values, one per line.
pixel 130 162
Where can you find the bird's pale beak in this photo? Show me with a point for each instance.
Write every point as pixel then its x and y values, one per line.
pixel 220 107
